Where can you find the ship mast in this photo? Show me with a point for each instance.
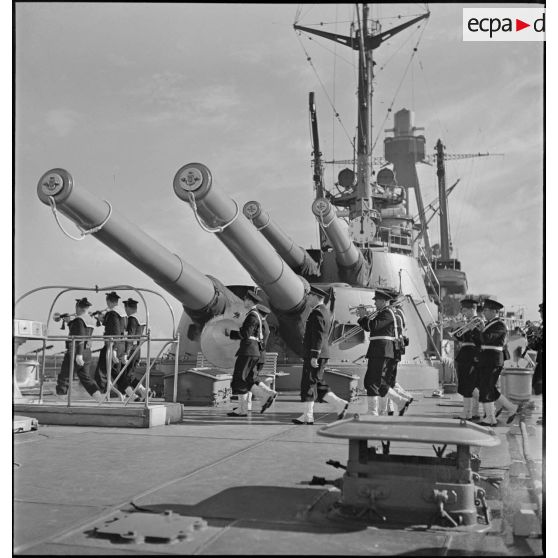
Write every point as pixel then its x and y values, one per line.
pixel 442 196
pixel 365 41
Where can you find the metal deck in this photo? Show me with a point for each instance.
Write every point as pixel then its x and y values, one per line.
pixel 247 478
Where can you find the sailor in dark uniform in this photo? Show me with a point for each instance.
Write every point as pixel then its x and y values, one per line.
pixel 134 329
pixel 315 357
pixel 114 322
pixel 467 358
pixel 247 357
pixel 381 354
pixel 492 339
pixel 79 327
pixel 537 344
pixel 397 396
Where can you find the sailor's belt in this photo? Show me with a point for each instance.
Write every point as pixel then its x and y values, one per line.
pixel 385 337
pixel 491 348
pixel 467 344
pixel 253 338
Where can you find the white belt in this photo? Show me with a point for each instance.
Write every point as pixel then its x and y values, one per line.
pixel 467 344
pixel 254 338
pixel 382 337
pixel 492 347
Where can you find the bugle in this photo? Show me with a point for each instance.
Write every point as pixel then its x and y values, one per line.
pixel 57 317
pixel 98 315
pixel 474 323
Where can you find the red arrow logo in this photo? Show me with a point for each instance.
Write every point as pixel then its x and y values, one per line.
pixel 519 25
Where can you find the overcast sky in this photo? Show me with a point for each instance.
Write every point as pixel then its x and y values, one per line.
pixel 123 95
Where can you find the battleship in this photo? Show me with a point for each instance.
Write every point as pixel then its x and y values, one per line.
pixel 174 474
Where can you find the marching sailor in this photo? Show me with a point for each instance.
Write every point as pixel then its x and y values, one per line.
pixel 399 350
pixel 134 329
pixel 381 354
pixel 251 335
pixel 467 358
pixel 79 327
pixel 315 356
pixel 492 339
pixel 114 322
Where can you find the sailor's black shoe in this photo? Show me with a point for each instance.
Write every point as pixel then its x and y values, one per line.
pixel 297 421
pixel 405 407
pixel 512 416
pixel 269 401
pixel 484 423
pixel 233 414
pixel 342 414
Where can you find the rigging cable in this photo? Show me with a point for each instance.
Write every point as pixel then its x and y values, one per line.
pixel 415 49
pixel 336 114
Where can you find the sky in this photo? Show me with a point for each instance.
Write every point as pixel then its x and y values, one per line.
pixel 123 95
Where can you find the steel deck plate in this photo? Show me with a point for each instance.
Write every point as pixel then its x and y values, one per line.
pixel 413 429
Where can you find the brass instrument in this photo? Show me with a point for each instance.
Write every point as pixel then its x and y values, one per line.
pixel 98 316
pixel 475 322
pixel 57 317
pixel 397 303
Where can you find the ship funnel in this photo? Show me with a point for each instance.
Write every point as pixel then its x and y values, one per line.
pixel 296 257
pixel 352 266
pixel 202 296
pixel 219 214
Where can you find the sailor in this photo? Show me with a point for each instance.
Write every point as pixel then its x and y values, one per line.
pixel 247 357
pixel 315 345
pixel 381 354
pixel 397 396
pixel 467 358
pixel 536 343
pixel 134 329
pixel 491 341
pixel 79 327
pixel 114 322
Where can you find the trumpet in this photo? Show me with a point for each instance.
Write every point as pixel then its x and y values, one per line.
pixel 98 315
pixel 474 323
pixel 397 303
pixel 57 317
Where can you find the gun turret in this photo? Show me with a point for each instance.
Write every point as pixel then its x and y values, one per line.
pixel 352 267
pixel 219 214
pixel 202 296
pixel 296 257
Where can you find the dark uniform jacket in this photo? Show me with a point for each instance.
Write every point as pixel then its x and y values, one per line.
pixel 133 330
pixel 494 334
pixel 383 325
pixel 115 324
pixel 468 353
pixel 264 341
pixel 78 327
pixel 316 334
pixel 250 337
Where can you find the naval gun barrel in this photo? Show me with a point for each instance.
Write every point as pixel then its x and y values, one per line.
pixel 200 295
pixel 296 257
pixel 349 258
pixel 218 213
